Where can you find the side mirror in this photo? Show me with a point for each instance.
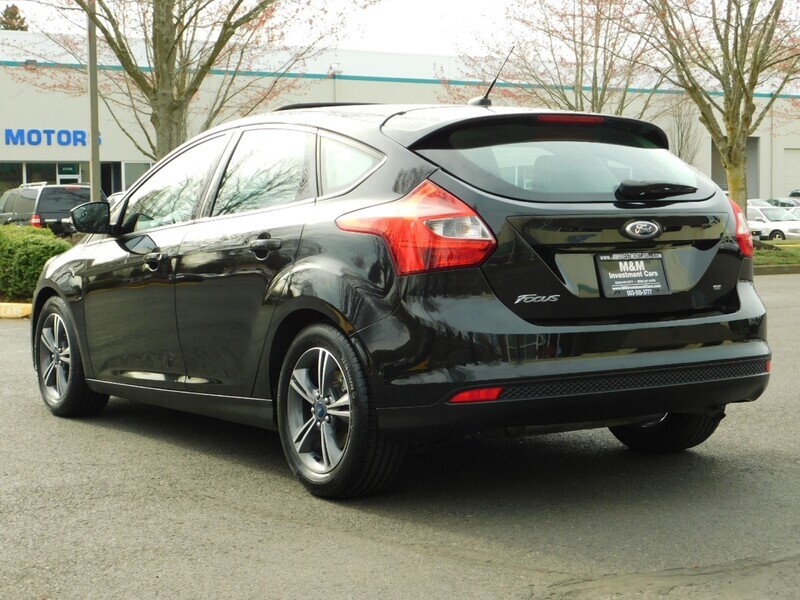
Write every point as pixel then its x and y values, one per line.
pixel 91 217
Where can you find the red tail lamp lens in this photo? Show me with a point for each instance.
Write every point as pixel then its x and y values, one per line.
pixel 743 237
pixel 427 230
pixel 36 221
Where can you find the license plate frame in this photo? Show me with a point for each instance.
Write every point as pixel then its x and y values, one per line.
pixel 632 274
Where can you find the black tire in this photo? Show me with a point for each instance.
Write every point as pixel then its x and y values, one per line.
pixel 329 432
pixel 59 366
pixel 777 235
pixel 674 432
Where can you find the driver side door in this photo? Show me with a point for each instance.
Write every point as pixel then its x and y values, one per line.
pixel 129 301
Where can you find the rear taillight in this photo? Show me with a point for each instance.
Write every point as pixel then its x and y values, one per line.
pixel 427 230
pixel 743 236
pixel 36 221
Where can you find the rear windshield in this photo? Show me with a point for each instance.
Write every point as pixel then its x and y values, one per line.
pixel 556 162
pixel 62 199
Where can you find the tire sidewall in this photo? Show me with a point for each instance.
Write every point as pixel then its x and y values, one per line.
pixel 348 469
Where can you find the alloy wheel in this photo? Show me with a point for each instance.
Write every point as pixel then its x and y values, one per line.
pixel 318 410
pixel 55 357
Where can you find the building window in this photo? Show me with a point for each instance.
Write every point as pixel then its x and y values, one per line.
pixel 10 175
pixel 36 172
pixel 132 171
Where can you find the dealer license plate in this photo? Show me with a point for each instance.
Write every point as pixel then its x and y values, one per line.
pixel 632 274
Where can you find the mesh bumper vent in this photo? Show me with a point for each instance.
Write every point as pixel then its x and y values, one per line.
pixel 638 380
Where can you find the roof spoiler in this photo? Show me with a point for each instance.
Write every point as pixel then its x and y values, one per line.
pixel 303 105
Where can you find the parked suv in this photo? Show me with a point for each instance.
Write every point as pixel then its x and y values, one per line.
pixel 43 205
pixel 364 277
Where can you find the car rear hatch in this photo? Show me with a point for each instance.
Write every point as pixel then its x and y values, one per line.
pixel 595 220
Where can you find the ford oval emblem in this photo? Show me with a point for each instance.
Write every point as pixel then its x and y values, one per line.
pixel 642 230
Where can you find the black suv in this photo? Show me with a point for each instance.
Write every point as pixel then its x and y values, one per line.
pixel 43 205
pixel 361 278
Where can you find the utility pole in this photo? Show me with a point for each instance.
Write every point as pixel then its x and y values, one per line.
pixel 94 121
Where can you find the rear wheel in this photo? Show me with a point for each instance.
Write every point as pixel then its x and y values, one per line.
pixel 59 367
pixel 671 433
pixel 327 421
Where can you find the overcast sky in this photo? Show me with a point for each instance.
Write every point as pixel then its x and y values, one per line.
pixel 425 26
pixel 404 26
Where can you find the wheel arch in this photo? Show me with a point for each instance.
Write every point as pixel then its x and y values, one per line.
pixel 42 296
pixel 287 326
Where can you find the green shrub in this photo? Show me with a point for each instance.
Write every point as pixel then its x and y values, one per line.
pixel 23 252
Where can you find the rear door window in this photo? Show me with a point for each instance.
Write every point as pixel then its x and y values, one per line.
pixel 269 167
pixel 4 200
pixel 556 162
pixel 23 201
pixel 62 200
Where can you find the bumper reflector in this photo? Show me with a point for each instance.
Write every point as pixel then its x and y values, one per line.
pixel 477 395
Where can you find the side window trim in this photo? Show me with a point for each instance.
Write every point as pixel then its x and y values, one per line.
pixel 219 172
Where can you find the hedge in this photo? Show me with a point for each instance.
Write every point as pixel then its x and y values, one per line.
pixel 23 252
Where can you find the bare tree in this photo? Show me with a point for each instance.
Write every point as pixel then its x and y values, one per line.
pixel 721 53
pixel 186 64
pixel 574 55
pixel 685 130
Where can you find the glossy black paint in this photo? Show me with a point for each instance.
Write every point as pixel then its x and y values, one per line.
pixel 198 315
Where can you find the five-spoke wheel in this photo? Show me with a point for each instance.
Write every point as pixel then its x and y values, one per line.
pixel 59 367
pixel 318 410
pixel 54 357
pixel 327 420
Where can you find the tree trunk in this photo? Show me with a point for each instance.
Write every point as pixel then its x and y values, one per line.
pixel 167 115
pixel 735 163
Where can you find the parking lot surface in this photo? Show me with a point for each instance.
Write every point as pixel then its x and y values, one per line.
pixel 143 502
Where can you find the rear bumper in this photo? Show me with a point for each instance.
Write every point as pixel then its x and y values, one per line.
pixel 588 400
pixel 569 377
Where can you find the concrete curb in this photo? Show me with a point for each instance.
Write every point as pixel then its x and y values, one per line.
pixel 776 269
pixel 15 310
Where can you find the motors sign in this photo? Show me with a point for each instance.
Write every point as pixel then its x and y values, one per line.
pixel 45 137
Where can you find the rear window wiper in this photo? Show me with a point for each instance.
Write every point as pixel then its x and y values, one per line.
pixel 651 190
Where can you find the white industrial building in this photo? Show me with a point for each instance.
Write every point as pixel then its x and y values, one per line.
pixel 44 122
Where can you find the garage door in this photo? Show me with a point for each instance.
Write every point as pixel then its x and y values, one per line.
pixel 791 171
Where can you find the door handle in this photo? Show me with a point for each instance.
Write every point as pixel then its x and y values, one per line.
pixel 264 244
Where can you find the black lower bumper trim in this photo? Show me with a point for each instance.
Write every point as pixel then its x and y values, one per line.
pixel 651 378
pixel 590 399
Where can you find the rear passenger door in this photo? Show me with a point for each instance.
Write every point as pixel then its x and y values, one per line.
pixel 233 266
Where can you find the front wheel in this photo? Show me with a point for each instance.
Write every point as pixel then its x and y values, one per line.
pixel 59 367
pixel 327 421
pixel 673 432
pixel 777 235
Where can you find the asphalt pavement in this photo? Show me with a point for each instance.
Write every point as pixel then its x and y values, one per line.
pixel 142 502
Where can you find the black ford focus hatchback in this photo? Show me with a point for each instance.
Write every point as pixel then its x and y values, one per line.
pixel 364 277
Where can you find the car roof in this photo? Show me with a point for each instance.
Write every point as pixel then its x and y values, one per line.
pixel 409 123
